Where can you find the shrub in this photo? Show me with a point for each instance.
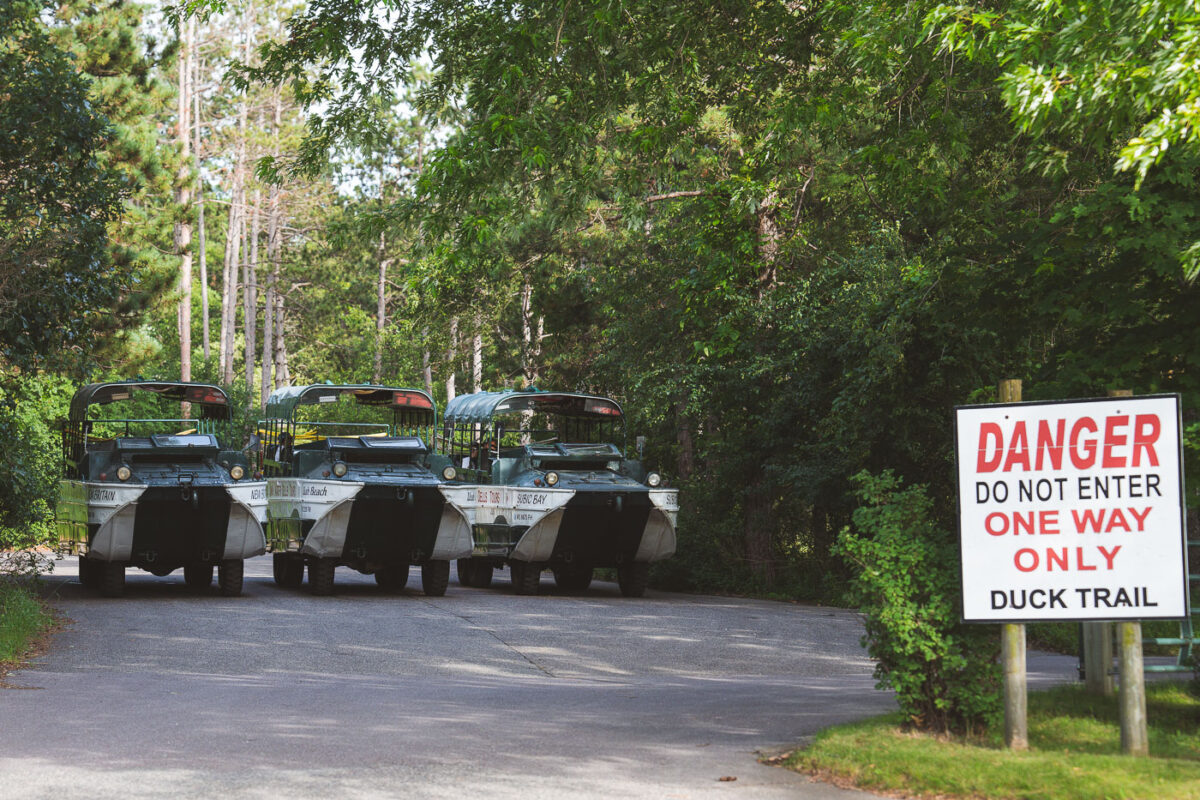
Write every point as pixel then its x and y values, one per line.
pixel 29 470
pixel 906 585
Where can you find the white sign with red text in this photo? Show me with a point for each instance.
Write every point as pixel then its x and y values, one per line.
pixel 1072 510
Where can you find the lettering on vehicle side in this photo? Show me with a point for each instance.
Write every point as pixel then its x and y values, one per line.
pixel 316 491
pixel 258 494
pixel 530 499
pixel 102 495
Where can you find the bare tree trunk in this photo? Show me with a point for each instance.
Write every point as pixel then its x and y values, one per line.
pixel 686 463
pixel 451 356
pixel 250 296
pixel 233 241
pixel 183 197
pixel 759 517
pixel 274 243
pixel 477 355
pixel 768 242
pixel 531 336
pixel 527 367
pixel 201 234
pixel 426 367
pixel 282 376
pixel 381 307
pixel 237 214
pixel 268 344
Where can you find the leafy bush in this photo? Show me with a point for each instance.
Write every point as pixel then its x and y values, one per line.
pixel 29 470
pixel 944 673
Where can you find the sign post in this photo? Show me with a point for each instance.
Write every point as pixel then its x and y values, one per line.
pixel 1012 645
pixel 1072 511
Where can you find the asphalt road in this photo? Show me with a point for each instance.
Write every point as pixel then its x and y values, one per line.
pixel 480 693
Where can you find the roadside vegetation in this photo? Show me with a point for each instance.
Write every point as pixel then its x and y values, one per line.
pixel 1074 753
pixel 23 619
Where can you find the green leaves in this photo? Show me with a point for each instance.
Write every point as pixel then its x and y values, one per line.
pixel 944 673
pixel 58 196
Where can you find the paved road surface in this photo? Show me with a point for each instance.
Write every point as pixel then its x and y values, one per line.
pixel 480 693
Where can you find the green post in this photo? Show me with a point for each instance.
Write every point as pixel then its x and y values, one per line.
pixel 1012 645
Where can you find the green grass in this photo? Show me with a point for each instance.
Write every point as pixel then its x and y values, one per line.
pixel 22 620
pixel 1075 753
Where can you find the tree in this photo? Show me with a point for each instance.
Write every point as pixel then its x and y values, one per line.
pixel 791 235
pixel 57 195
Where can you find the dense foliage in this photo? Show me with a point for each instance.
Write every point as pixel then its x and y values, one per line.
pixel 56 198
pixel 945 674
pixel 789 238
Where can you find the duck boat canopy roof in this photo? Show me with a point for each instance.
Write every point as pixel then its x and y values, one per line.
pixel 213 401
pixel 283 402
pixel 483 406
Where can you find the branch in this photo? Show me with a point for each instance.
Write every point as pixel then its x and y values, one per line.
pixel 654 198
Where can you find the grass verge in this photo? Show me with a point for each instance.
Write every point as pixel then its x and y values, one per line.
pixel 23 623
pixel 1075 753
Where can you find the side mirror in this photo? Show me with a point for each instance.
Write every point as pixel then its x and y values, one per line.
pixel 641 447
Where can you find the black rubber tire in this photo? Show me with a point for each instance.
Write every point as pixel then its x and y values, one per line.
pixel 392 578
pixel 229 576
pixel 293 577
pixel 632 578
pixel 435 577
pixel 198 576
pixel 278 568
pixel 573 578
pixel 87 572
pixel 110 578
pixel 475 572
pixel 525 576
pixel 320 576
pixel 288 570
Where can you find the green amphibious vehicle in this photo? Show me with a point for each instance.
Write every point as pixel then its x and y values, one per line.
pixel 352 481
pixel 555 490
pixel 143 486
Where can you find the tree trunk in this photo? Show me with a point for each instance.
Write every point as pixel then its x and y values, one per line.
pixel 768 243
pixel 233 242
pixel 686 463
pixel 759 519
pixel 282 375
pixel 183 198
pixel 201 234
pixel 237 201
pixel 426 367
pixel 274 245
pixel 531 337
pixel 477 355
pixel 250 297
pixel 380 307
pixel 451 357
